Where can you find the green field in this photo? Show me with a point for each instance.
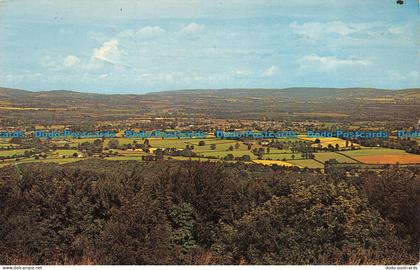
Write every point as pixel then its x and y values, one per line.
pixel 374 151
pixel 221 150
pixel 65 152
pixel 127 153
pixel 310 163
pixel 332 155
pixel 222 154
pixel 47 160
pixel 6 153
pixel 6 144
pixel 281 156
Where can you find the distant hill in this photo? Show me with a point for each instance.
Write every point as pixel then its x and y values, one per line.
pixel 277 104
pixel 304 92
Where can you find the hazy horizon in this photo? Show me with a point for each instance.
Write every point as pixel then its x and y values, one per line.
pixel 143 92
pixel 143 46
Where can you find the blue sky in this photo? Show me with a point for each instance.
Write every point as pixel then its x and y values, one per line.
pixel 110 46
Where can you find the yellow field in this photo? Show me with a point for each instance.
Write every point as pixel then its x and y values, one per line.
pixel 273 162
pixel 326 141
pixel 390 159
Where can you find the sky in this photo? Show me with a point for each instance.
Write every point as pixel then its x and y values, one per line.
pixel 116 46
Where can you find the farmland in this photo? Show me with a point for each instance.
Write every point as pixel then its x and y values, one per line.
pixel 390 159
pixel 211 110
pixel 383 156
pixel 216 150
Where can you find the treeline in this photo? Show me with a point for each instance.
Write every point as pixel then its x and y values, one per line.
pixel 168 212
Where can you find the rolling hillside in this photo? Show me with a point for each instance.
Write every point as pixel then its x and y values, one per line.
pixel 355 104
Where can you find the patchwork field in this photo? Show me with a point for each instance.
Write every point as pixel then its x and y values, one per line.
pixel 281 156
pixel 324 156
pixel 9 153
pixel 309 163
pixel 326 141
pixel 217 149
pixel 375 151
pixel 390 159
pixel 383 156
pixel 66 152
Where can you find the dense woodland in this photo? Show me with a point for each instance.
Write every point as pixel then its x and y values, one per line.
pixel 168 212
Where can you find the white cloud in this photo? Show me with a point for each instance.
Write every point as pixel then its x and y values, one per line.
pixel 71 61
pixel 150 31
pixel 396 30
pixel 192 28
pixel 316 30
pixel 410 76
pixel 271 71
pixel 60 63
pixel 13 78
pixel 108 52
pixel 328 63
pixel 320 30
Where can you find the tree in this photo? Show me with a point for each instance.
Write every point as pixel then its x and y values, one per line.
pixel 147 143
pixel 113 144
pixel 237 145
pixel 246 158
pixel 27 154
pixel 229 157
pixel 137 233
pixel 334 170
pixel 396 195
pixel 183 219
pixel 111 212
pixel 315 224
